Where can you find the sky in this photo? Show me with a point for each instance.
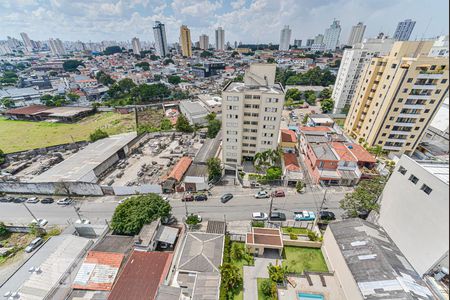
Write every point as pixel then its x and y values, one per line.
pixel 249 21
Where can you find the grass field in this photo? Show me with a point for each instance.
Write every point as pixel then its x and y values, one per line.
pixel 298 259
pixel 24 135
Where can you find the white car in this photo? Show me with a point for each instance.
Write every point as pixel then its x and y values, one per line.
pixel 259 216
pixel 33 200
pixel 262 194
pixel 82 221
pixel 64 201
pixel 40 222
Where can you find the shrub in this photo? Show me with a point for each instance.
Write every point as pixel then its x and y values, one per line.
pixel 269 289
pixel 313 236
pixel 237 252
pixel 258 224
pixel 3 230
pixel 98 134
pixel 299 186
pixel 293 236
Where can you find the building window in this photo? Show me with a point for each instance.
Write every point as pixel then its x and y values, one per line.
pixel 405 90
pixel 410 80
pixel 396 109
pixel 256 97
pixel 248 96
pixel 255 106
pixel 393 66
pixel 400 100
pixel 426 189
pixel 413 179
pixel 444 81
pixel 402 170
pixel 437 92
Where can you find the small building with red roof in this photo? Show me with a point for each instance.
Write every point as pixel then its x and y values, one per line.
pixel 292 172
pixel 288 140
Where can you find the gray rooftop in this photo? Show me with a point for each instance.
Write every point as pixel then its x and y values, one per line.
pixel 193 107
pixel 81 165
pixel 114 243
pixel 218 227
pixel 197 170
pixel 18 92
pixel 168 293
pixel 379 268
pixel 324 152
pixel 147 233
pixel 208 149
pixel 202 252
pixel 167 235
pixel 440 169
pixel 206 287
pixel 239 87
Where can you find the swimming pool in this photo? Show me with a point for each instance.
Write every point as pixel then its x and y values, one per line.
pixel 304 296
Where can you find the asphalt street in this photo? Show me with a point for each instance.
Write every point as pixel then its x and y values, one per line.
pixel 240 208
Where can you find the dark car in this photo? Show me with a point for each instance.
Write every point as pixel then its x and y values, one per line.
pixel 327 215
pixel 19 200
pixel 201 197
pixel 47 201
pixel 226 197
pixel 6 199
pixel 277 216
pixel 187 198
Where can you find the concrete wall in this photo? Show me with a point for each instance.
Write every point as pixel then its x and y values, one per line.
pixel 100 169
pixel 336 262
pixel 300 243
pixel 31 153
pixel 52 188
pixel 132 190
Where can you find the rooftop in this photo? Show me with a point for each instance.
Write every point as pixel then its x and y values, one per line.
pixel 240 87
pixel 208 149
pixel 379 268
pixel 180 168
pixel 440 169
pixel 81 165
pixel 141 276
pixel 360 153
pixel 265 237
pixel 18 92
pixel 206 287
pixel 316 128
pixel 193 107
pixel 27 110
pixel 344 153
pixel 291 162
pixel 217 227
pixel 323 151
pixel 288 136
pixel 168 293
pixel 114 243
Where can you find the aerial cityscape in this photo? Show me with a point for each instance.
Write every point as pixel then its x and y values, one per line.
pixel 224 150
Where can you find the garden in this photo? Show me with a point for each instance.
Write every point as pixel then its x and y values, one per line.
pixel 300 259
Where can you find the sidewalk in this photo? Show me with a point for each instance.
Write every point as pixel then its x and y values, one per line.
pixel 251 273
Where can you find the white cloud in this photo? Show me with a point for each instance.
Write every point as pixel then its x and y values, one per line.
pixel 237 4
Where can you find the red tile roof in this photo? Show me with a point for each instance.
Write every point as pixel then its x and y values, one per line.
pixel 291 162
pixel 141 276
pixel 288 136
pixel 344 153
pixel 361 154
pixel 316 128
pixel 27 110
pixel 266 237
pixel 180 168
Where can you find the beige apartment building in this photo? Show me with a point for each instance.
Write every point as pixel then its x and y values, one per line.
pixel 251 115
pixel 185 41
pixel 397 97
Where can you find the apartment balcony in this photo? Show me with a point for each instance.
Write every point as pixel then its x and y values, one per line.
pixel 414 106
pixel 414 116
pixel 424 87
pixel 393 148
pixel 397 140
pixel 405 124
pixel 430 76
pixel 400 132
pixel 419 97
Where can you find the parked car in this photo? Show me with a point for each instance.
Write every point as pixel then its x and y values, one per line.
pixel 6 199
pixel 255 185
pixel 40 222
pixel 201 197
pixel 277 216
pixel 304 216
pixel 278 193
pixel 34 244
pixel 33 200
pixel 47 201
pixel 19 200
pixel 64 201
pixel 262 194
pixel 187 198
pixel 327 215
pixel 259 216
pixel 226 197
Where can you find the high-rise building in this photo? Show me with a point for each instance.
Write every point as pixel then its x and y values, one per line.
pixel 26 41
pixel 357 34
pixel 203 42
pixel 404 30
pixel 298 43
pixel 251 115
pixel 220 39
pixel 352 64
pixel 309 42
pixel 285 38
pixel 331 36
pixel 56 47
pixel 159 31
pixel 185 41
pixel 318 39
pixel 397 97
pixel 136 44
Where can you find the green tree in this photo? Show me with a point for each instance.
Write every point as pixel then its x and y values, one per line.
pixel 310 97
pixel 112 50
pixel 327 105
pixel 168 61
pixel 98 134
pixel 7 102
pixel 132 214
pixel 144 65
pixel 273 173
pixel 73 97
pixel 205 54
pixel 299 186
pixel 293 94
pixel 126 85
pixel 270 60
pixel 71 65
pixel 183 124
pixel 239 78
pixel 3 230
pixel 269 289
pixel 192 220
pixel 214 168
pixel 346 109
pixel 289 102
pixel 166 124
pixel 277 273
pixel 364 198
pixel 234 54
pixel 325 93
pixel 305 119
pixel 231 277
pixel 237 251
pixel 174 79
pixel 104 78
pixel 377 150
pixel 154 57
pixel 264 160
pixel 214 125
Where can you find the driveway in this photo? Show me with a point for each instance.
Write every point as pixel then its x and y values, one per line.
pixel 259 270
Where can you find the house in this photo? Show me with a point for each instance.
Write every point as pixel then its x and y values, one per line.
pixel 320 120
pixel 260 240
pixel 194 111
pixel 21 96
pixel 153 235
pixel 288 141
pixel 176 175
pixel 212 103
pixel 292 172
pixel 196 178
pixel 368 264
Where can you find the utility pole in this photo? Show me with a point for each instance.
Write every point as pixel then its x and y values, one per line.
pixel 321 207
pixel 76 211
pixel 34 217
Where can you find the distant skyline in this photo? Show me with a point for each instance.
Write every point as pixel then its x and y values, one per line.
pixel 249 21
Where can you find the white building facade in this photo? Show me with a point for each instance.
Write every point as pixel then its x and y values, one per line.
pixel 285 38
pixel 352 64
pixel 159 30
pixel 56 47
pixel 220 39
pixel 204 42
pixel 415 212
pixel 331 36
pixel 136 44
pixel 357 34
pixel 251 115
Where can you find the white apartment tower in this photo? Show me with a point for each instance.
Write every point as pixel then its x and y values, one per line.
pixel 285 38
pixel 204 42
pixel 26 41
pixel 159 31
pixel 352 64
pixel 251 115
pixel 357 34
pixel 331 36
pixel 136 44
pixel 56 47
pixel 404 30
pixel 220 39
